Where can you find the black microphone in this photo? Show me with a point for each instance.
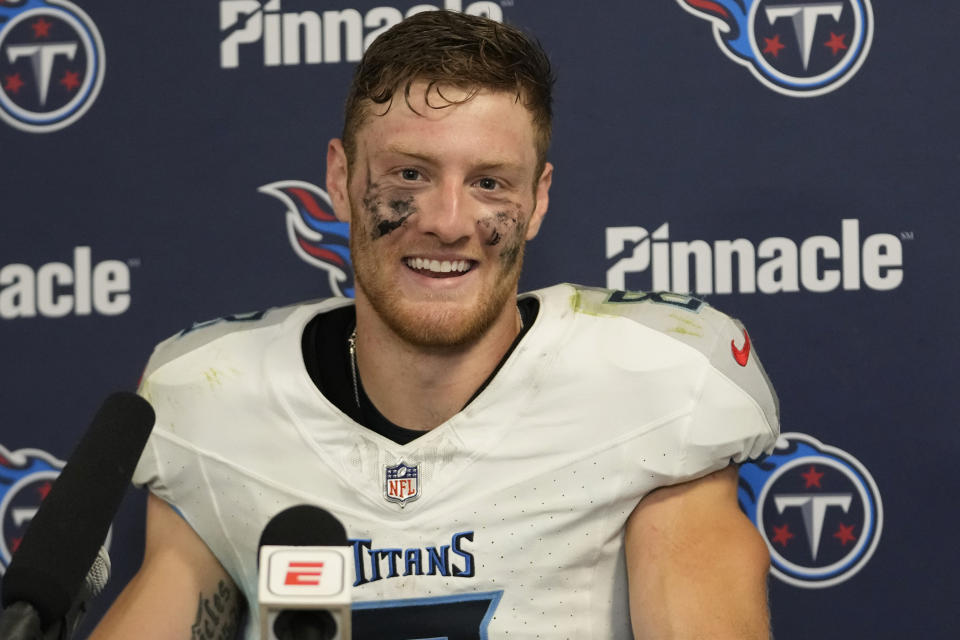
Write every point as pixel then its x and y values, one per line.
pixel 304 560
pixel 63 539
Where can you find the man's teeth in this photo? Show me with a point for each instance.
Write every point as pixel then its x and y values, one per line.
pixel 438 266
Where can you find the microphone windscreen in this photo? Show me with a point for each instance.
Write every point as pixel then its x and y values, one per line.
pixel 97 577
pixel 304 526
pixel 63 539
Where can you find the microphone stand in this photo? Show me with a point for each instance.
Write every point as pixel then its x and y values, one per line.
pixel 20 621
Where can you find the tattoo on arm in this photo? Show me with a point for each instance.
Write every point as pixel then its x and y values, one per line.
pixel 218 615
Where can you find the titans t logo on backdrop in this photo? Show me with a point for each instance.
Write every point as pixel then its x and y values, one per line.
pixel 51 64
pixel 799 49
pixel 817 507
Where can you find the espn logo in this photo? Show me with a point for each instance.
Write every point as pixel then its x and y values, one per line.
pixel 307 572
pixel 304 573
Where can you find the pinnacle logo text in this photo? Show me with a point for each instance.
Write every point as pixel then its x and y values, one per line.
pixel 310 37
pixel 58 289
pixel 776 265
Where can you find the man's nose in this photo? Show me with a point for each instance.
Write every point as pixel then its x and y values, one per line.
pixel 448 212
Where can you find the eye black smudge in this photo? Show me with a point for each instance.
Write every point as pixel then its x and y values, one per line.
pixel 402 207
pixel 513 228
pixel 511 252
pixel 493 234
pixel 371 197
pixel 399 211
pixel 386 219
pixel 371 202
pixel 498 226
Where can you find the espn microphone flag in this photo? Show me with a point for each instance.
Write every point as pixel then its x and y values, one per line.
pixel 306 574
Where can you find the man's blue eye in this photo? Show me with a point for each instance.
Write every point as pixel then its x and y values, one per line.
pixel 410 174
pixel 487 183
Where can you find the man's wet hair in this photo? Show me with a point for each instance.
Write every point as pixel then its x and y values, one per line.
pixel 450 49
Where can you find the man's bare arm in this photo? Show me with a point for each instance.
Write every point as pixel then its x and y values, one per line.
pixel 697 567
pixel 181 591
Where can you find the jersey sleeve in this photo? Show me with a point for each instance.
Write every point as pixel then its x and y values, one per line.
pixel 148 473
pixel 178 371
pixel 151 472
pixel 736 414
pixel 699 378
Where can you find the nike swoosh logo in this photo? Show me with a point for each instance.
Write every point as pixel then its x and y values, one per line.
pixel 741 355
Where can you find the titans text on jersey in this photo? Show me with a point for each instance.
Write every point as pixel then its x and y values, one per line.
pixel 372 564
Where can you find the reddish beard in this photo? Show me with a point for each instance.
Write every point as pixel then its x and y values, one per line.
pixel 435 321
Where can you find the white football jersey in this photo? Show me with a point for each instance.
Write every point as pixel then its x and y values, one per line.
pixel 504 522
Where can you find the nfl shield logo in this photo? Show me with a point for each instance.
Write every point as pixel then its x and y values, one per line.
pixel 401 483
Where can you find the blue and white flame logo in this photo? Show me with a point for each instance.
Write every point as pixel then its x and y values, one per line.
pixel 314 233
pixel 26 476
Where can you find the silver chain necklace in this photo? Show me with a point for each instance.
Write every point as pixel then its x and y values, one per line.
pixel 352 349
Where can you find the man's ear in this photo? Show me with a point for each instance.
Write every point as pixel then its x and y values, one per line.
pixel 337 179
pixel 541 196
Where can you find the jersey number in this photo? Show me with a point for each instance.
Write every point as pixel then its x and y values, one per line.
pixel 660 297
pixel 253 316
pixel 462 617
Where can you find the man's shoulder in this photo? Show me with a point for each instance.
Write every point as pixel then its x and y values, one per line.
pixel 247 331
pixel 666 327
pixel 683 317
pixel 652 355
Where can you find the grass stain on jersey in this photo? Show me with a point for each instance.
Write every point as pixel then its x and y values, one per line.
pixel 591 301
pixel 684 332
pixel 213 377
pixel 691 329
